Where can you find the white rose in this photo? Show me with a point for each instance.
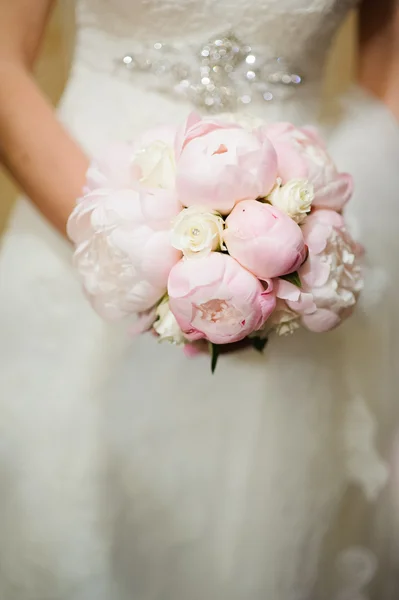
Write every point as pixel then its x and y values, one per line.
pixel 197 232
pixel 283 321
pixel 166 325
pixel 294 198
pixel 288 322
pixel 156 163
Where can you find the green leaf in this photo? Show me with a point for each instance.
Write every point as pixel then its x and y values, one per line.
pixel 259 343
pixel 293 278
pixel 215 351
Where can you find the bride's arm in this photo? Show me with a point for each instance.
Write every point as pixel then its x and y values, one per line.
pixel 379 50
pixel 38 152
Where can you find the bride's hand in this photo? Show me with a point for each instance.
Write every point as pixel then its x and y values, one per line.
pixel 38 152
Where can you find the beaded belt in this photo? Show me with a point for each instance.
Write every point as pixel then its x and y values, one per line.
pixel 217 76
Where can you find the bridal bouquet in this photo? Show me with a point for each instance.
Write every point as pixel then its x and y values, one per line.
pixel 217 233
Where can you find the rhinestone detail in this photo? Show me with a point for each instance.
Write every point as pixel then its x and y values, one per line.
pixel 221 75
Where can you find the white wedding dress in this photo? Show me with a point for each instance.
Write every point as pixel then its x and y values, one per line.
pixel 129 472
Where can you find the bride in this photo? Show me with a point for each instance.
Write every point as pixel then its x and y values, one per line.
pixel 126 470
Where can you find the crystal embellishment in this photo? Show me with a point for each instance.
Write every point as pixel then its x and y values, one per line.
pixel 218 76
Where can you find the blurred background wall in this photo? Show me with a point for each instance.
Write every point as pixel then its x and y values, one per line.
pixel 53 64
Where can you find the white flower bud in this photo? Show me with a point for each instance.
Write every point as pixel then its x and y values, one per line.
pixel 294 198
pixel 197 232
pixel 156 163
pixel 166 325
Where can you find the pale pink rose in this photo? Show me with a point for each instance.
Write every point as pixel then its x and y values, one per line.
pixel 332 273
pixel 123 251
pixel 219 164
pixel 117 167
pixel 215 298
pixel 264 240
pixel 302 155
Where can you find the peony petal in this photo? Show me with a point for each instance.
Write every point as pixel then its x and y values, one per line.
pixel 186 275
pixel 277 130
pixel 327 217
pixel 335 194
pixel 191 120
pixel 264 240
pixel 217 299
pixel 318 228
pixel 79 225
pixel 143 322
pixel 291 164
pixel 193 350
pixel 286 290
pixel 245 170
pixel 195 126
pixel 321 320
pixel 314 272
pixel 159 257
pixel 160 207
pixel 144 295
pixel 107 309
pixel 112 167
pixel 194 335
pixel 113 241
pixel 316 236
pixel 297 300
pixel 314 134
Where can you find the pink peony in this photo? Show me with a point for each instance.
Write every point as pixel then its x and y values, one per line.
pixel 123 251
pixel 118 166
pixel 111 168
pixel 264 240
pixel 296 299
pixel 302 155
pixel 220 164
pixel 332 273
pixel 215 298
pixel 292 304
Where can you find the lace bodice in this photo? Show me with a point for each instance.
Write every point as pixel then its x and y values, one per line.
pixel 296 32
pixel 289 26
